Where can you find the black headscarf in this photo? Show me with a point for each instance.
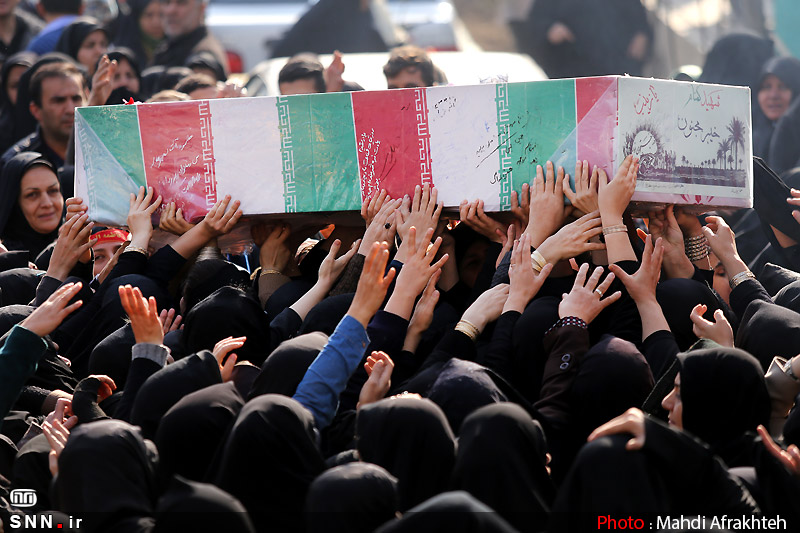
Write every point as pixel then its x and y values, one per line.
pixel 24 123
pixel 21 59
pixel 724 395
pixel 73 35
pixel 112 356
pixel 228 312
pixel 737 59
pixel 411 439
pixel 18 285
pixel 200 508
pixel 193 428
pixel 351 498
pixel 789 296
pixel 450 511
pixel 128 32
pixel 786 69
pixel 327 314
pixel 613 377
pixel 462 388
pixel 269 460
pixel 207 60
pixel 208 275
pixel 107 473
pixel 286 366
pixel 769 330
pixel 15 231
pixel 166 387
pixel 501 461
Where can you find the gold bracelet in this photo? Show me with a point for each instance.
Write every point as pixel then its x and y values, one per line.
pixel 270 271
pixel 619 228
pixel 538 261
pixel 138 249
pixel 468 328
pixel 739 278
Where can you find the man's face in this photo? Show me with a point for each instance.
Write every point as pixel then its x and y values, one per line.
pixel 408 78
pixel 180 17
pixel 7 7
pixel 300 86
pixel 60 97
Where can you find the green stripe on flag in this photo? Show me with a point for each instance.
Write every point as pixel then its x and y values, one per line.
pixel 533 122
pixel 320 169
pixel 118 128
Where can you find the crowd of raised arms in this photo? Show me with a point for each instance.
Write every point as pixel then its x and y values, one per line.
pixel 569 365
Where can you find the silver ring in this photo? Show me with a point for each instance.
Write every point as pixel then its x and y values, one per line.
pixel 598 292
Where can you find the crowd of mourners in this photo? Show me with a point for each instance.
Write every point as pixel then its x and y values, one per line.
pixel 524 372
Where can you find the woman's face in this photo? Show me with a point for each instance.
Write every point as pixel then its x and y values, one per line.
pixel 774 97
pixel 150 21
pixel 12 82
pixel 40 199
pixel 92 48
pixel 125 76
pixel 674 405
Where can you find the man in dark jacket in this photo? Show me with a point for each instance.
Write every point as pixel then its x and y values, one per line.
pixel 186 32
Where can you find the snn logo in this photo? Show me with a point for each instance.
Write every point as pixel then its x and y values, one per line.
pixel 23 497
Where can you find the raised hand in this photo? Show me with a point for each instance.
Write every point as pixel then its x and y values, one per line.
pixel 473 215
pixel 721 238
pixel 521 205
pixel 525 281
pixel 331 267
pixel 416 271
pixel 586 299
pixel 423 214
pixel 145 322
pixel 719 331
pixel 172 220
pixel 72 245
pixel 170 320
pixel 56 434
pixel 630 422
pixel 584 198
pixel 794 201
pixel 372 285
pixel 221 218
pixel 142 207
pixel 227 362
pixel 377 230
pixel 487 307
pixel 789 458
pixel 48 316
pixel 547 210
pixel 75 206
pixel 572 239
pixel 273 252
pixel 103 82
pixel 372 206
pixel 642 285
pixel 379 367
pixel 614 197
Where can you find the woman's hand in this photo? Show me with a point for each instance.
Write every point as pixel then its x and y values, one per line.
pixel 473 215
pixel 585 300
pixel 719 331
pixel 72 244
pixel 172 220
pixel 145 322
pixel 227 362
pixel 487 307
pixel 614 197
pixel 423 215
pixel 525 282
pixel 584 198
pixel 642 285
pixel 221 218
pixel 331 267
pixel 142 207
pixel 377 230
pixel 631 422
pixel 379 367
pixel 372 285
pixel 573 239
pixel 547 210
pixel 48 316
